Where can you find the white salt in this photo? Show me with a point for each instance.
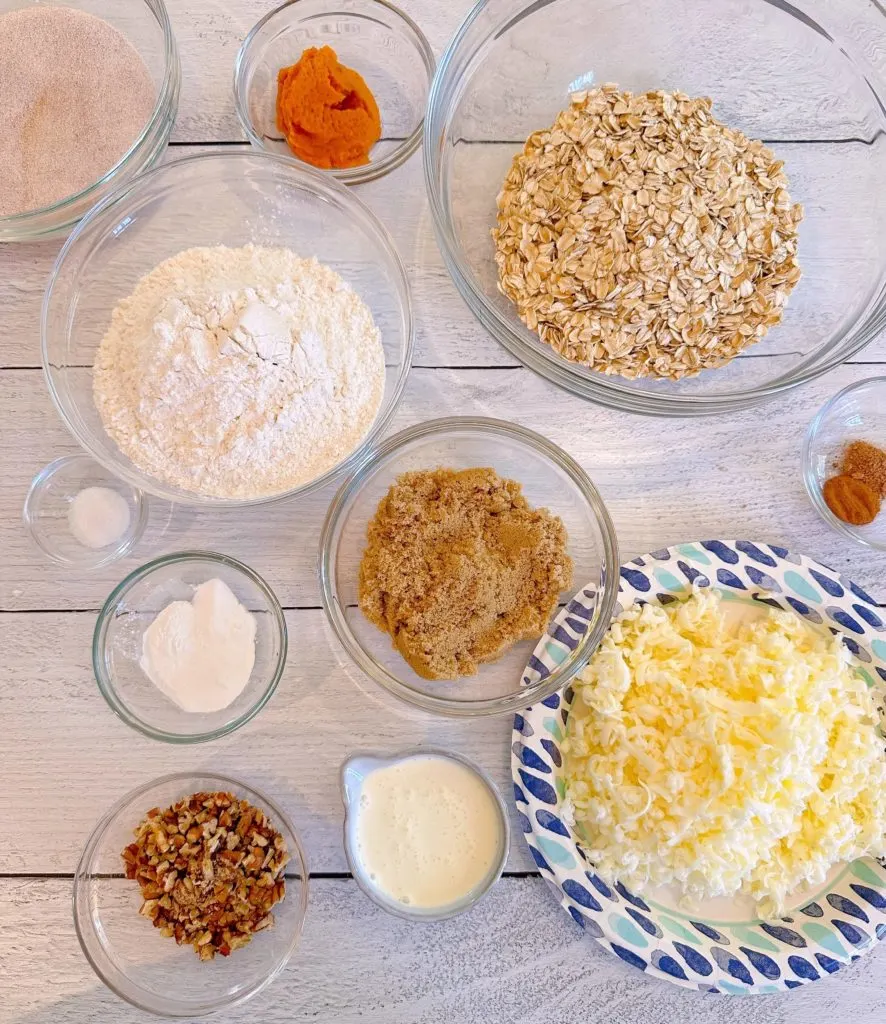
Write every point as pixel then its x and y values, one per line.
pixel 98 517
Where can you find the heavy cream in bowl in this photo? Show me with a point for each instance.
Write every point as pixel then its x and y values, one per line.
pixel 426 831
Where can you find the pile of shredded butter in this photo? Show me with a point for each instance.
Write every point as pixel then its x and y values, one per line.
pixel 721 756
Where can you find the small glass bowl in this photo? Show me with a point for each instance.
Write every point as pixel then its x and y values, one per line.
pixel 146 25
pixel 353 773
pixel 132 958
pixel 551 479
pixel 373 37
pixel 133 606
pixel 857 413
pixel 49 500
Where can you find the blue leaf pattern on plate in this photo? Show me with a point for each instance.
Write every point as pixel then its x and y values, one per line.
pixel 701 954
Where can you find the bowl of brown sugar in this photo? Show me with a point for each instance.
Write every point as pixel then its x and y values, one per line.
pixel 844 462
pixel 448 551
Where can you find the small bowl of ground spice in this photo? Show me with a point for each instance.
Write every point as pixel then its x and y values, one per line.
pixel 87 101
pixel 844 462
pixel 448 551
pixel 341 86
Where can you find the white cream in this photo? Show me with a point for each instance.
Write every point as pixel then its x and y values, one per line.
pixel 200 653
pixel 428 831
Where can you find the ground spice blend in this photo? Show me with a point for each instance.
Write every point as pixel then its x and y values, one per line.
pixel 458 568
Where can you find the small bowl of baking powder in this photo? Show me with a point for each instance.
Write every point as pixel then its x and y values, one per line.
pixel 189 647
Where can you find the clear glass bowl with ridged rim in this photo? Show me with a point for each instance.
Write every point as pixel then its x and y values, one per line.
pixel 857 413
pixel 134 604
pixel 146 25
pixel 550 479
pixel 232 199
pixel 375 38
pixel 797 75
pixel 132 958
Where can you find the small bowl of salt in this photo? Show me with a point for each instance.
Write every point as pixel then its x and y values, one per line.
pixel 189 647
pixel 81 516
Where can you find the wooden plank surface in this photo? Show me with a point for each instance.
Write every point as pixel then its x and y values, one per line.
pixel 516 958
pixel 66 758
pixel 663 482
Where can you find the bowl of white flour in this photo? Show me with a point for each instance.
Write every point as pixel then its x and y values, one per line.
pixel 228 330
pixel 189 647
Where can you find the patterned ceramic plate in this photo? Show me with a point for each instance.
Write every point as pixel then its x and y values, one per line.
pixel 723 947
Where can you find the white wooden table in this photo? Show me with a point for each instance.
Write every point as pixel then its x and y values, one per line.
pixel 64 758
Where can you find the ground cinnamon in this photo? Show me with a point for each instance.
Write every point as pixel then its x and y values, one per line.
pixel 458 567
pixel 326 111
pixel 851 500
pixel 866 462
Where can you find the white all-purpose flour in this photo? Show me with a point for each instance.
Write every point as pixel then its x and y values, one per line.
pixel 239 373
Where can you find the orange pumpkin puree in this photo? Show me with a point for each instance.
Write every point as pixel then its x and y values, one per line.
pixel 326 111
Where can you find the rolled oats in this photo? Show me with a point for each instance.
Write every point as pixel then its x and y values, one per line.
pixel 640 236
pixel 210 869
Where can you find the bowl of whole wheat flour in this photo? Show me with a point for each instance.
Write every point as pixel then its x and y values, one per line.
pixel 227 330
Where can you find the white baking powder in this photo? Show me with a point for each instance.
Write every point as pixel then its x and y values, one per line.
pixel 239 373
pixel 201 652
pixel 98 517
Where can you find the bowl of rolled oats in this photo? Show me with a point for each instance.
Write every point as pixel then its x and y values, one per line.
pixel 190 894
pixel 669 207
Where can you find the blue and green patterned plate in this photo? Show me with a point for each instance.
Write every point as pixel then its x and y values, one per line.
pixel 723 947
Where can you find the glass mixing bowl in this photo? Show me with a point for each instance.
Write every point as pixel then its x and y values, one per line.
pixel 227 199
pixel 145 24
pixel 794 75
pixel 132 958
pixel 550 478
pixel 373 37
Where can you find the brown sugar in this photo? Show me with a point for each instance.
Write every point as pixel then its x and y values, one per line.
pixel 458 567
pixel 866 462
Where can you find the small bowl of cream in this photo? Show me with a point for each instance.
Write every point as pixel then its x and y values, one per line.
pixel 189 647
pixel 426 831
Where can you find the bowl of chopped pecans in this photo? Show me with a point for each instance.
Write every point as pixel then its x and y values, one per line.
pixel 669 207
pixel 212 901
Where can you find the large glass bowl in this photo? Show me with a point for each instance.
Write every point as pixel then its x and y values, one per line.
pixel 132 958
pixel 795 75
pixel 550 478
pixel 227 199
pixel 145 24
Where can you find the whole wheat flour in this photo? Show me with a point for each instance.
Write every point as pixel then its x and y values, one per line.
pixel 239 373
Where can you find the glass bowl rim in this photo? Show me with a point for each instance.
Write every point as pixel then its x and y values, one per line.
pixel 602 389
pixel 347 175
pixel 167 97
pixel 83 873
pixel 607 588
pixel 119 550
pixel 813 490
pixel 108 689
pixel 431 750
pixel 316 183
